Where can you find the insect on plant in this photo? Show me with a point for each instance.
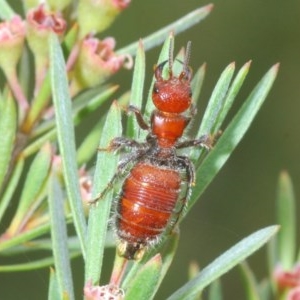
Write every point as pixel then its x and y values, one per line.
pixel 159 182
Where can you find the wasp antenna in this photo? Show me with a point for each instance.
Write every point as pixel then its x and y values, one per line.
pixel 187 55
pixel 171 51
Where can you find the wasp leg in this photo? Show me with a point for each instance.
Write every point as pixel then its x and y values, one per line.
pixel 121 142
pixel 205 141
pixel 139 117
pixel 185 163
pixel 131 158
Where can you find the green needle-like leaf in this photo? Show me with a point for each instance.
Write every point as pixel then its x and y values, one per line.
pixel 231 95
pixel 99 213
pixel 250 283
pixel 34 184
pixel 137 88
pixel 178 26
pixel 60 239
pixel 286 217
pixel 215 291
pixel 32 265
pixel 11 186
pixel 66 137
pixel 8 124
pixel 216 100
pixel 6 12
pixel 167 251
pixel 53 292
pixel 232 135
pixel 197 83
pixel 143 286
pixel 224 263
pixel 38 104
pixel 88 147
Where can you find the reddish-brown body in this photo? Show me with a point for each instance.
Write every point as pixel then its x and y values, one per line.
pixel 157 186
pixel 147 203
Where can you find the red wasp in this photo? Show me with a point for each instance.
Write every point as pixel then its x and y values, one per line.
pixel 159 182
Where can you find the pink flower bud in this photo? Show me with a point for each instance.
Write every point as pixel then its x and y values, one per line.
pixel 287 279
pixel 40 23
pixel 294 294
pixel 12 35
pixel 96 15
pixel 103 292
pixel 96 62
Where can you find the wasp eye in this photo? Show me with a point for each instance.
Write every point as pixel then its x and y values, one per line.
pixel 155 89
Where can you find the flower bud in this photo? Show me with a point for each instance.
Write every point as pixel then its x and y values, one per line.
pixel 12 35
pixel 103 292
pixel 287 279
pixel 41 23
pixel 96 62
pixel 96 15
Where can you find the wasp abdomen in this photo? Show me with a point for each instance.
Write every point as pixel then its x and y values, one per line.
pixel 146 206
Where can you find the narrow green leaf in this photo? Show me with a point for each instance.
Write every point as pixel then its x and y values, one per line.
pixel 6 12
pixel 80 110
pixel 99 213
pixel 137 88
pixel 216 100
pixel 143 286
pixel 178 26
pixel 167 252
pixel 85 102
pixel 166 249
pixel 83 109
pixel 88 147
pixel 232 135
pixel 42 244
pixel 265 289
pixel 33 265
pixel 38 104
pixel 8 124
pixel 66 137
pixel 53 293
pixel 11 186
pixel 23 237
pixel 34 184
pixel 231 95
pixel 37 144
pixel 251 286
pixel 286 218
pixel 225 262
pixel 60 239
pixel 215 291
pixel 70 38
pixel 25 72
pixel 197 83
pixel 26 236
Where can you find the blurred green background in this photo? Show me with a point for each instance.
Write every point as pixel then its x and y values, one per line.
pixel 242 197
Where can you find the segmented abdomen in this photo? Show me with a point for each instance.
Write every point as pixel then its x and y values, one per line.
pixel 149 200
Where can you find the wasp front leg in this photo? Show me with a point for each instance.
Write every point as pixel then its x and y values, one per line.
pixel 205 141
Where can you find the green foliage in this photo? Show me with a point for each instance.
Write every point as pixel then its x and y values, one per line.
pixel 40 159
